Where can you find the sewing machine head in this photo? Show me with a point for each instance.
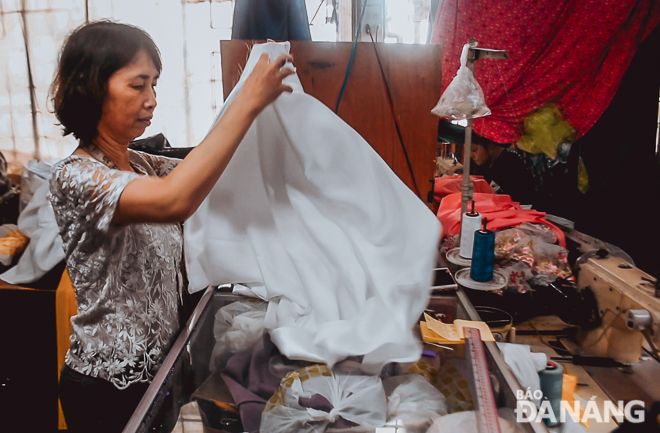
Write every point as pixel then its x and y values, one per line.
pixel 628 303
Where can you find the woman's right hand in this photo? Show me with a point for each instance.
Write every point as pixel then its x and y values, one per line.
pixel 264 85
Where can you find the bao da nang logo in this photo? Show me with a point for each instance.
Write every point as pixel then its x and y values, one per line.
pixel 527 411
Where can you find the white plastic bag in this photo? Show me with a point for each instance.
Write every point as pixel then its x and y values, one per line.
pixel 463 98
pixel 237 327
pixel 356 399
pixel 466 422
pixel 412 402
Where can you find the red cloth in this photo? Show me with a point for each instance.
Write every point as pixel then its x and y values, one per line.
pixel 500 210
pixel 452 184
pixel 570 52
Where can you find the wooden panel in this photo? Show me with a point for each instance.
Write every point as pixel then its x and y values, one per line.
pixel 414 78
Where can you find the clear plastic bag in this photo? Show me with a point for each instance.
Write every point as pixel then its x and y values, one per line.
pixel 517 274
pixel 315 399
pixel 543 258
pixel 466 422
pixel 413 402
pixel 542 231
pixel 463 98
pixel 237 327
pixel 12 243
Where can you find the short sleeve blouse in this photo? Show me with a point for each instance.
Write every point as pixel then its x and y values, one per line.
pixel 127 279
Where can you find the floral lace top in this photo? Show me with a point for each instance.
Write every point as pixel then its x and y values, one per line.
pixel 126 278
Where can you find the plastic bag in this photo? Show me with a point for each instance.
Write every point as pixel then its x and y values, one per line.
pixel 446 378
pixel 413 402
pixel 545 130
pixel 463 98
pixel 517 275
pixel 313 399
pixel 466 422
pixel 544 259
pixel 542 231
pixel 237 327
pixel 12 243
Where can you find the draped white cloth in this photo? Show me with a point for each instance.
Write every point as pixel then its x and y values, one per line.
pixel 309 217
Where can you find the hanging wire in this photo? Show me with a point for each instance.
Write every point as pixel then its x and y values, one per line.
pixel 350 62
pixel 393 111
pixel 316 13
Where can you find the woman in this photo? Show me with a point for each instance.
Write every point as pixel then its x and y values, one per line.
pixel 118 212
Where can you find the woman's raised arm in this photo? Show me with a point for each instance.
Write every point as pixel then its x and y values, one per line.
pixel 175 197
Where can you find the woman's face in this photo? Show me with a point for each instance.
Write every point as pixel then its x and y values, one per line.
pixel 130 100
pixel 479 154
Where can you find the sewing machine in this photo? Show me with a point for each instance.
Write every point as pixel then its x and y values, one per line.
pixel 629 306
pixel 628 299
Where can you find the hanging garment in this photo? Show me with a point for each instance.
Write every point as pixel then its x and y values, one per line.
pixel 44 251
pixel 281 20
pixel 575 56
pixel 311 219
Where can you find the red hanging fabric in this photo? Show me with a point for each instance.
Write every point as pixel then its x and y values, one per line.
pixel 571 52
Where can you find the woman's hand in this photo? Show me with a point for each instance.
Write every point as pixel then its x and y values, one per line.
pixel 264 85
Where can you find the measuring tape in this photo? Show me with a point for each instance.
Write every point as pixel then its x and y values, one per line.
pixel 486 410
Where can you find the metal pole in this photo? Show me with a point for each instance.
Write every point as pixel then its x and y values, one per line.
pixel 467 190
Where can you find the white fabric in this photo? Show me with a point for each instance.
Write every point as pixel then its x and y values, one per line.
pixel 309 217
pixel 525 365
pixel 37 221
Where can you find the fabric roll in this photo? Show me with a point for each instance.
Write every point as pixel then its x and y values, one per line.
pixel 311 219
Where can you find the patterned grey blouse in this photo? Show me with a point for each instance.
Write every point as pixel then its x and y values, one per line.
pixel 126 278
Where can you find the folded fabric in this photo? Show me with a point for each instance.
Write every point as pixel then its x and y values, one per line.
pixel 311 219
pixel 252 376
pixel 447 185
pixel 525 365
pixel 500 210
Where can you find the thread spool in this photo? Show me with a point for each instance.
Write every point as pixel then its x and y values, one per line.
pixel 551 385
pixel 483 254
pixel 470 223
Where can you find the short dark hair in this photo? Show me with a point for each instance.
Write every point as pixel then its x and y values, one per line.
pixel 89 57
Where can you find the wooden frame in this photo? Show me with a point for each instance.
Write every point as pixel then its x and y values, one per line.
pixel 414 78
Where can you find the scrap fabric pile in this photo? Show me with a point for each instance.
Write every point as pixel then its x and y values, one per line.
pixel 273 394
pixel 308 217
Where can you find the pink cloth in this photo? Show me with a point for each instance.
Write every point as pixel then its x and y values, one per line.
pixel 500 210
pixel 573 53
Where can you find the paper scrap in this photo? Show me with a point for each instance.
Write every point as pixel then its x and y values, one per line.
pixel 444 330
pixel 435 331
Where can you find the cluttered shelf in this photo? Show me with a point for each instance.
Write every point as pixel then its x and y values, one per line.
pixel 584 305
pixel 206 371
pixel 210 383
